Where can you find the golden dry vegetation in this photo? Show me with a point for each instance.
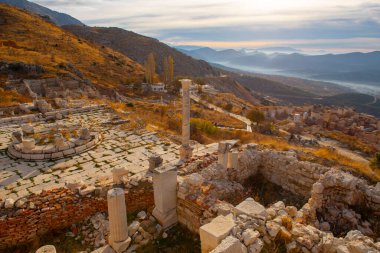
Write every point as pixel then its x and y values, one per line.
pixel 167 120
pixel 12 98
pixel 28 38
pixel 352 142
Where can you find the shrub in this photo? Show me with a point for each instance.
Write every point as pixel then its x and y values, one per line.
pixel 256 116
pixel 204 126
pixel 375 164
pixel 228 107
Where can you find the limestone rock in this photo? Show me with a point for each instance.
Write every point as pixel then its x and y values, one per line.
pixel 256 247
pixel 230 245
pixel 17 137
pixel 9 203
pixel 27 129
pixel 20 203
pixel 47 249
pixel 250 236
pixel 273 228
pixel 251 207
pixel 142 215
pixel 87 190
pixel 133 228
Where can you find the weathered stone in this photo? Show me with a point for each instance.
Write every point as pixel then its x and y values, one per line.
pixel 165 195
pixel 9 203
pixel 47 249
pixel 85 134
pixel 249 236
pixel 230 245
pixel 251 207
pixel 213 233
pixel 155 161
pixel 118 239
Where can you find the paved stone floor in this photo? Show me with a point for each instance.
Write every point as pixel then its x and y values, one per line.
pixel 19 178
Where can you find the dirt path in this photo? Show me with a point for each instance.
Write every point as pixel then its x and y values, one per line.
pixel 218 109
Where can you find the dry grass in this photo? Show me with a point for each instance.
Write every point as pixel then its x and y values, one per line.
pixel 12 98
pixel 30 39
pixel 359 167
pixel 352 142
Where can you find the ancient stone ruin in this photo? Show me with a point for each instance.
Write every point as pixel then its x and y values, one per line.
pixel 81 174
pixel 51 145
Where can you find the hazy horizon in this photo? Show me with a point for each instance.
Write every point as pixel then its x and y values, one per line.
pixel 333 26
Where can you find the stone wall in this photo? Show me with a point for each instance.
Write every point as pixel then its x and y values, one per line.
pixel 280 168
pixel 189 214
pixel 58 209
pixel 346 203
pixel 36 117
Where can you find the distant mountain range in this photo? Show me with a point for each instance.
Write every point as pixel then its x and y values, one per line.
pixel 351 67
pixel 56 17
pixel 91 53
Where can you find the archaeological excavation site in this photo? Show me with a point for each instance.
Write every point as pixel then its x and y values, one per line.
pixel 216 136
pixel 73 179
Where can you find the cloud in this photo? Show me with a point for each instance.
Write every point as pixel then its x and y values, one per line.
pixel 229 21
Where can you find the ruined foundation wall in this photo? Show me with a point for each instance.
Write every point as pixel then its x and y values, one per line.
pixel 280 168
pixel 347 203
pixel 58 209
pixel 189 214
pixel 35 117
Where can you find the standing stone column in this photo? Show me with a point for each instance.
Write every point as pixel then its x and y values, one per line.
pixel 186 151
pixel 233 160
pixel 165 195
pixel 117 212
pixel 223 149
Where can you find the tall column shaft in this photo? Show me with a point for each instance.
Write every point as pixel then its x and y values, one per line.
pixel 117 212
pixel 186 111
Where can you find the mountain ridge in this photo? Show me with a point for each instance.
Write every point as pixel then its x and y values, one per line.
pixel 56 17
pixel 138 47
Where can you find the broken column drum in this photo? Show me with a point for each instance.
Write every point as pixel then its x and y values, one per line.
pixel 117 211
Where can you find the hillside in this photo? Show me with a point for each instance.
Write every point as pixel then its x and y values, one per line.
pixel 28 38
pixel 56 17
pixel 138 47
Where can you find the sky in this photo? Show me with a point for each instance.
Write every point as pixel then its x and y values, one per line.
pixel 310 25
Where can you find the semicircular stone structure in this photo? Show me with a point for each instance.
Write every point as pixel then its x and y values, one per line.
pixel 29 151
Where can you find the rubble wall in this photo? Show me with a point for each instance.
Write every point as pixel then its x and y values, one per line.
pixel 189 214
pixel 346 203
pixel 58 209
pixel 35 117
pixel 280 168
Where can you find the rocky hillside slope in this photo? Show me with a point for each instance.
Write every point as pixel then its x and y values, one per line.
pixel 56 17
pixel 28 39
pixel 138 47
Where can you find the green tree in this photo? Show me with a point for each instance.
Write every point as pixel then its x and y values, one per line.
pixel 256 116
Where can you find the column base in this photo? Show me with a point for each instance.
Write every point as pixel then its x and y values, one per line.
pixel 166 219
pixel 119 247
pixel 185 152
